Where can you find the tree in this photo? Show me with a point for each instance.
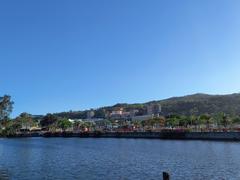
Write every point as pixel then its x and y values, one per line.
pixel 137 124
pixel 99 113
pixel 48 120
pixel 205 119
pixel 85 126
pixel 183 121
pixel 222 119
pixel 157 121
pixel 25 120
pixel 193 120
pixel 6 107
pixel 77 125
pixel 225 121
pixel 236 120
pixel 173 120
pixel 10 128
pixel 64 124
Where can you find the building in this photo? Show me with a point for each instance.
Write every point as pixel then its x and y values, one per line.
pixel 154 109
pixel 142 118
pixel 75 120
pixel 117 113
pixel 90 114
pixel 25 127
pixel 133 113
pixel 93 120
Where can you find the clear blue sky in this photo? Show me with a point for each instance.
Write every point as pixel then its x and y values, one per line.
pixel 76 54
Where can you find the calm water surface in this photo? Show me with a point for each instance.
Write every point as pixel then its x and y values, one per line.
pixel 75 158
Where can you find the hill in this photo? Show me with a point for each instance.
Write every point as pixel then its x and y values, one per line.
pixel 202 104
pixel 186 105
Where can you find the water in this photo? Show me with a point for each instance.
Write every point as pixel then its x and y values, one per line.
pixel 75 158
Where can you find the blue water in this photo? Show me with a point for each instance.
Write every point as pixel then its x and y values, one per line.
pixel 75 158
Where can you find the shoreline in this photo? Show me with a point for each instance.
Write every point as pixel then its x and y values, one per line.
pixel 217 136
pixel 213 136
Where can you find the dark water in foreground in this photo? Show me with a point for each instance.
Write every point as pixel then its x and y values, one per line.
pixel 75 158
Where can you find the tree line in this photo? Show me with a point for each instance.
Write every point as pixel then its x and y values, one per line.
pixel 53 122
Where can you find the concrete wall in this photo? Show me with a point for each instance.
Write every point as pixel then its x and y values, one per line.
pixel 213 135
pixel 155 135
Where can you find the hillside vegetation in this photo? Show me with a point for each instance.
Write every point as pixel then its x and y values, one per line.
pixel 202 104
pixel 195 104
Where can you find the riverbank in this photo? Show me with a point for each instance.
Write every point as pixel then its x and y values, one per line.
pixel 225 136
pixel 155 135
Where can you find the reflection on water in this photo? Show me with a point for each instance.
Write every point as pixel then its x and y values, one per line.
pixel 4 174
pixel 76 158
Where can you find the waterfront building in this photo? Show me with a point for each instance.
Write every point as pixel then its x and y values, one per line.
pixel 35 129
pixel 25 127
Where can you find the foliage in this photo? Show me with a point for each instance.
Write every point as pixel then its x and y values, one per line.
pixel 6 106
pixel 64 124
pixel 99 113
pixel 48 120
pixel 25 119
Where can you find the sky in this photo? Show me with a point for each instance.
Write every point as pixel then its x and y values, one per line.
pixel 62 55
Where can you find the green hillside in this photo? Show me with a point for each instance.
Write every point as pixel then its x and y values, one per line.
pixel 192 104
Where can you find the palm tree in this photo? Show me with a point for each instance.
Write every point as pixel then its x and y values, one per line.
pixel 205 119
pixel 173 121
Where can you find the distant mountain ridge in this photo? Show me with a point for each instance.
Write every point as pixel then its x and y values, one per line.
pixel 202 104
pixel 196 104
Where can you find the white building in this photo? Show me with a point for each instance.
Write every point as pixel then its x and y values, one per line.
pixel 142 118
